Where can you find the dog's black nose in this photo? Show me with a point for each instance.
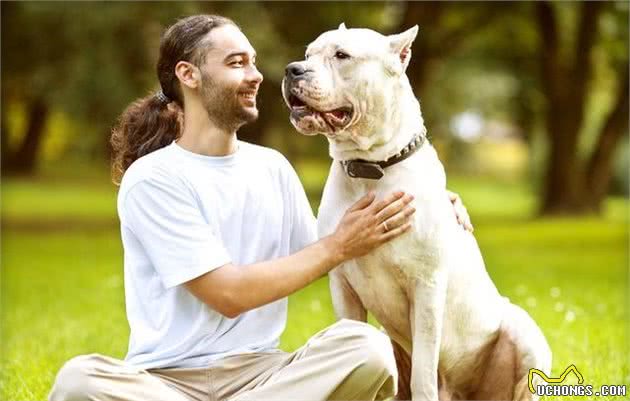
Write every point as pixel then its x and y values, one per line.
pixel 294 69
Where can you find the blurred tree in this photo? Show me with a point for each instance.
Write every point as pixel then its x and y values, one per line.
pixel 567 63
pixel 17 61
pixel 449 26
pixel 559 64
pixel 87 59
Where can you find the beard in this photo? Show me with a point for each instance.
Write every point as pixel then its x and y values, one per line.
pixel 223 105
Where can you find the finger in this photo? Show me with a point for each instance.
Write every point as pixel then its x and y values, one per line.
pixel 362 203
pixel 452 196
pixel 463 219
pixel 383 227
pixel 380 205
pixel 459 219
pixel 393 208
pixel 460 210
pixel 469 227
pixel 396 232
pixel 399 218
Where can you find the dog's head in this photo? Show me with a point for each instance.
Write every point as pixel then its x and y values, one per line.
pixel 351 86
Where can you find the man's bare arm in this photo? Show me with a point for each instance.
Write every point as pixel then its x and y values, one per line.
pixel 232 290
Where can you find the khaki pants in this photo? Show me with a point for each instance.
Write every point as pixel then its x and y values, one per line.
pixel 348 361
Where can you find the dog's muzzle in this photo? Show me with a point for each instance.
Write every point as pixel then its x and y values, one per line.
pixel 294 70
pixel 304 112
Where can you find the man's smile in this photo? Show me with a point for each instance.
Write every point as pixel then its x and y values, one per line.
pixel 249 96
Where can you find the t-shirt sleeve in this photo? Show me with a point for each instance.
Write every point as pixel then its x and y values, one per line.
pixel 304 227
pixel 179 242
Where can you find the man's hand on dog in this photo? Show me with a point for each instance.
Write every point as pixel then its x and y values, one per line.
pixel 460 211
pixel 370 223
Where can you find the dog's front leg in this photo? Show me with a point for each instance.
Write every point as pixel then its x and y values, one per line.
pixel 427 314
pixel 345 300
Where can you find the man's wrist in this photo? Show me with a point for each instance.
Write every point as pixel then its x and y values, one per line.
pixel 333 250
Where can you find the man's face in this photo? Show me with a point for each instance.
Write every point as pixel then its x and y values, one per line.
pixel 230 79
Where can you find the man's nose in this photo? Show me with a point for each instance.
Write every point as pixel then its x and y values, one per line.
pixel 295 69
pixel 255 75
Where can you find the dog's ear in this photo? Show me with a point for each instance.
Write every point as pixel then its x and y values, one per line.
pixel 400 44
pixel 342 27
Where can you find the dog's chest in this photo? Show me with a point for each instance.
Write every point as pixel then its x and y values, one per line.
pixel 383 279
pixel 411 255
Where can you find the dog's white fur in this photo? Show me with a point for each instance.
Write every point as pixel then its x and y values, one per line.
pixel 428 288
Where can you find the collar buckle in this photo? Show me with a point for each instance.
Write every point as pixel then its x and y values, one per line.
pixel 375 170
pixel 364 169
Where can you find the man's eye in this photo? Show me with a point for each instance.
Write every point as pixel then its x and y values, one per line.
pixel 341 55
pixel 237 63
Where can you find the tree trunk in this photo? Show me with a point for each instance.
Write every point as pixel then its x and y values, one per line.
pixel 599 170
pixel 562 179
pixel 4 145
pixel 564 87
pixel 558 184
pixel 424 14
pixel 24 160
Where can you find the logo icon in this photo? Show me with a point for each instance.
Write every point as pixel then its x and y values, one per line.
pixel 569 369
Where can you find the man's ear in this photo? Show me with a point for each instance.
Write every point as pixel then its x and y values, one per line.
pixel 400 44
pixel 342 27
pixel 188 74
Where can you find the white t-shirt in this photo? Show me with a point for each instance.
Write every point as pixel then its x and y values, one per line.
pixel 182 215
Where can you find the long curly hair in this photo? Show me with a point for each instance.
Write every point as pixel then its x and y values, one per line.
pixel 156 120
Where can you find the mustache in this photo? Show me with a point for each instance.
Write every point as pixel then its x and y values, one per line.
pixel 252 90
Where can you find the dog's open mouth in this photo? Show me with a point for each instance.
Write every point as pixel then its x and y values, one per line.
pixel 335 119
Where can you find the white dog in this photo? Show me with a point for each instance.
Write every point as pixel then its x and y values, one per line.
pixel 428 288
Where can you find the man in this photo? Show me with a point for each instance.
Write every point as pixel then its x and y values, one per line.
pixel 217 233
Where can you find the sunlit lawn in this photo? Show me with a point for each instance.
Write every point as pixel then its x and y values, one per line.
pixel 62 286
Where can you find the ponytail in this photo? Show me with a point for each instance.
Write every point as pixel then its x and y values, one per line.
pixel 155 121
pixel 147 124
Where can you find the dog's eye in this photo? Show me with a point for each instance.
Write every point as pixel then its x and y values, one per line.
pixel 341 55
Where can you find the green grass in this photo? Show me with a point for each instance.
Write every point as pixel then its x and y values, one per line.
pixel 53 201
pixel 62 284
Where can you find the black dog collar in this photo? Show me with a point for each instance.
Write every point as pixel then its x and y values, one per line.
pixel 358 168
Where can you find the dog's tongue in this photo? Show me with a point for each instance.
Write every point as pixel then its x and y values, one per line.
pixel 336 116
pixel 338 113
